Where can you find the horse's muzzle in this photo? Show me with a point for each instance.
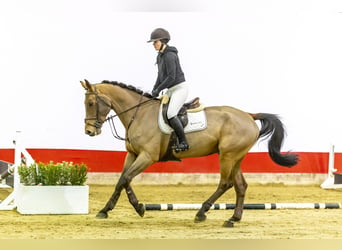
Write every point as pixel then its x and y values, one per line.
pixel 92 131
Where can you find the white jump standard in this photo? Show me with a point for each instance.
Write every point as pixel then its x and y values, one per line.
pixel 334 180
pixel 10 202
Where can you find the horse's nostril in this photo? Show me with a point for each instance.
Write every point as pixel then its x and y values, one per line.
pixel 88 132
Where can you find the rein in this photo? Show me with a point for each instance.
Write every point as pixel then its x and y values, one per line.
pixel 110 119
pixel 98 123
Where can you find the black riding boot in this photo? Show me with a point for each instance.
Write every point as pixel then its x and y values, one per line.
pixel 177 126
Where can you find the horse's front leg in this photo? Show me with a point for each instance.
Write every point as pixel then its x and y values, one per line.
pixel 139 207
pixel 130 158
pixel 133 167
pixel 142 161
pixel 113 199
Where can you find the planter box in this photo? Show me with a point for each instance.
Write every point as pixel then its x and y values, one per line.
pixel 52 199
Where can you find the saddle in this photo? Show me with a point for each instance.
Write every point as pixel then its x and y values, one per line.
pixel 191 107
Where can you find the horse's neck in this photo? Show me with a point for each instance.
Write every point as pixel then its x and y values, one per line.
pixel 124 102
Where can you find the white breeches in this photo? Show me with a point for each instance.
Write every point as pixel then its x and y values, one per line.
pixel 178 95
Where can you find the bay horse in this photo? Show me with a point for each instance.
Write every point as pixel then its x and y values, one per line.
pixel 230 132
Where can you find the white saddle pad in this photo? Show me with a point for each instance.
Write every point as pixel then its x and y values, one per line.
pixel 197 122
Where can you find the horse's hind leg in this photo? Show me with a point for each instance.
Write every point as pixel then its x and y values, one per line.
pixel 240 186
pixel 223 186
pixel 226 182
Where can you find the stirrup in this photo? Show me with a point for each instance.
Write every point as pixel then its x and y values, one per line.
pixel 181 147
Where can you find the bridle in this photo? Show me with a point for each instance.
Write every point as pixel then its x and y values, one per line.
pixel 98 122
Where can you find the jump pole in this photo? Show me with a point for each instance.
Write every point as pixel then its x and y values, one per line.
pixel 256 206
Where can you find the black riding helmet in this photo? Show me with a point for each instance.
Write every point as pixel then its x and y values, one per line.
pixel 160 34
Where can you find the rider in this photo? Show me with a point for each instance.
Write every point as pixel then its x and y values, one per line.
pixel 170 76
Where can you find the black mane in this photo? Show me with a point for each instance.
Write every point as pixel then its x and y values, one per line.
pixel 129 87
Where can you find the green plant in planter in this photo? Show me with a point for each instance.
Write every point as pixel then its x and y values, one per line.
pixel 64 173
pixel 78 174
pixel 28 175
pixel 52 174
pixel 49 174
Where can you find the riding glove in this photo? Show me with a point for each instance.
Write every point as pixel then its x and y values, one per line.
pixel 155 93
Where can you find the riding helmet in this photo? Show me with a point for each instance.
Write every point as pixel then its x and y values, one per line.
pixel 160 34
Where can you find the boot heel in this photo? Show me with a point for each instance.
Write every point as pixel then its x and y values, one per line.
pixel 180 147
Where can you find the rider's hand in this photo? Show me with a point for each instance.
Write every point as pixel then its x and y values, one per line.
pixel 155 93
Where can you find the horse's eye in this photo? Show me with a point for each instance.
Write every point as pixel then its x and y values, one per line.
pixel 91 103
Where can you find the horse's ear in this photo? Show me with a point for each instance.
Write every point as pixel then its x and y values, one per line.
pixel 86 85
pixel 83 85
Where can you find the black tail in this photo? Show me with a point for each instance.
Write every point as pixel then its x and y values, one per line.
pixel 272 127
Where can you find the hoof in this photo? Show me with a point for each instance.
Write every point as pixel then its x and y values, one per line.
pixel 231 221
pixel 141 210
pixel 102 215
pixel 228 223
pixel 200 218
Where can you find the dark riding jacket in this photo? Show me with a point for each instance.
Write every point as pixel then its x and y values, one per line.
pixel 169 70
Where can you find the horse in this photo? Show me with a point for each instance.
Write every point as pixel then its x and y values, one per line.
pixel 230 133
